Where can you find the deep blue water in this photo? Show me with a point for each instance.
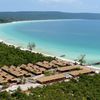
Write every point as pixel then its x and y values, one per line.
pixel 69 37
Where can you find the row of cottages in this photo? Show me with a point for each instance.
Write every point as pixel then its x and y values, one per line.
pixel 34 69
pixel 16 71
pixel 54 64
pixel 68 68
pixel 53 78
pixel 5 77
pixel 61 63
pixel 12 73
pixel 44 64
pixel 77 73
pixel 65 75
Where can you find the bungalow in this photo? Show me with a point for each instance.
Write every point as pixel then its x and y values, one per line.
pixel 53 78
pixel 79 72
pixel 33 69
pixel 61 63
pixel 14 71
pixel 44 64
pixel 5 77
pixel 68 68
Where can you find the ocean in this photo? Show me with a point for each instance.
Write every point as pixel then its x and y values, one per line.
pixel 71 38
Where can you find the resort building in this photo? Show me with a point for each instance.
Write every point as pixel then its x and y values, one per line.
pixel 5 77
pixel 44 64
pixel 77 73
pixel 53 78
pixel 37 72
pixel 33 69
pixel 68 68
pixel 61 63
pixel 15 71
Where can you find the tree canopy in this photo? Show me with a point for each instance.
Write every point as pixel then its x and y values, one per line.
pixel 10 55
pixel 86 88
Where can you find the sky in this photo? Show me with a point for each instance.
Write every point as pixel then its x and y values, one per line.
pixel 91 6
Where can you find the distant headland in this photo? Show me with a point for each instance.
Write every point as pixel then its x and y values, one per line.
pixel 44 15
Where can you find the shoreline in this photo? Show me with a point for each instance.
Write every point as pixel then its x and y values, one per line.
pixel 38 51
pixel 45 54
pixel 47 20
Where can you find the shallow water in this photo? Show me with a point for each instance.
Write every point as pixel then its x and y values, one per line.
pixel 60 37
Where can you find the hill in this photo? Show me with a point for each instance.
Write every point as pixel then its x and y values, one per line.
pixel 43 15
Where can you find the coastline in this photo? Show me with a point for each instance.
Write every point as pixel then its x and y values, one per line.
pixel 49 20
pixel 96 69
pixel 45 54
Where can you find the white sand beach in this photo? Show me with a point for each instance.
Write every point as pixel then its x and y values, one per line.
pixel 39 51
pixel 45 54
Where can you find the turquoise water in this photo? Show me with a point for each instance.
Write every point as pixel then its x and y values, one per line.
pixel 60 37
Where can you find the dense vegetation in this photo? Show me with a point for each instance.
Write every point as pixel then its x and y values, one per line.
pixel 86 88
pixel 4 21
pixel 9 55
pixel 43 15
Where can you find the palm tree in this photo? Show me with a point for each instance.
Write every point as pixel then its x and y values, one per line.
pixel 31 46
pixel 81 59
